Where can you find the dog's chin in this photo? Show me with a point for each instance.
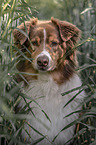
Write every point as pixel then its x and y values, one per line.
pixel 44 69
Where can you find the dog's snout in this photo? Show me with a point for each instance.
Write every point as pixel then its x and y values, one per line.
pixel 42 62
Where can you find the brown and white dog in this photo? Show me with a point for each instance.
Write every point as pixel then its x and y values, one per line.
pixel 49 49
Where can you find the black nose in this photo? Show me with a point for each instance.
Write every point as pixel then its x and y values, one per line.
pixel 43 62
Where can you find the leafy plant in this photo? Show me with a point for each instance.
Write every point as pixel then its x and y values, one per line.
pixel 12 12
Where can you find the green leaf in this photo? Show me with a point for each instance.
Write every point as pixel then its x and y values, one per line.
pixel 38 140
pixel 73 98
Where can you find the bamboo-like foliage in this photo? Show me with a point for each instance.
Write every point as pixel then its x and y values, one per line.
pixel 14 12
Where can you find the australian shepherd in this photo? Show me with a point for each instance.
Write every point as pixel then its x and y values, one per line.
pixel 47 51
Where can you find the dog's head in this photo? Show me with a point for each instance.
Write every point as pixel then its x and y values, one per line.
pixel 48 43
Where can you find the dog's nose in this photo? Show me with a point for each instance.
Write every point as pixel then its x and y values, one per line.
pixel 42 62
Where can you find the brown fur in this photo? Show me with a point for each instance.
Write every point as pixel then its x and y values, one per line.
pixel 63 55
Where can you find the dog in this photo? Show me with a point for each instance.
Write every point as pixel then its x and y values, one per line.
pixel 50 55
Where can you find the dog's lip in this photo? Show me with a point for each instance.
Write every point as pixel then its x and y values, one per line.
pixel 42 68
pixel 45 69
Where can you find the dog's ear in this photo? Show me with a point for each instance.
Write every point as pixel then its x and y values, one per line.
pixel 21 34
pixel 69 33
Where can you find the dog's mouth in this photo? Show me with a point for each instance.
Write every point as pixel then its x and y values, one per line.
pixel 45 69
pixel 42 68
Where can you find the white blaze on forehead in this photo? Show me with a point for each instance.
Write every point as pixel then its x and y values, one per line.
pixel 44 52
pixel 44 31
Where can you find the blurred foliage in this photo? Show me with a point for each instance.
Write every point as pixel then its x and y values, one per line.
pixel 80 13
pixel 61 9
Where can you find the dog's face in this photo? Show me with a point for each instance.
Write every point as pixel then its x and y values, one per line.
pixel 48 43
pixel 45 40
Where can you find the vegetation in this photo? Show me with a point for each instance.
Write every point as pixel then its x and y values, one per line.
pixel 82 14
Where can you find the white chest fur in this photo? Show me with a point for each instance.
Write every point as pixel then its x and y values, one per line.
pixel 49 111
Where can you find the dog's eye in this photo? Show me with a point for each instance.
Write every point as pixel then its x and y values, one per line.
pixel 54 43
pixel 35 43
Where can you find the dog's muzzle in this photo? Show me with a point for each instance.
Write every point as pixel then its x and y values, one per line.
pixel 43 63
